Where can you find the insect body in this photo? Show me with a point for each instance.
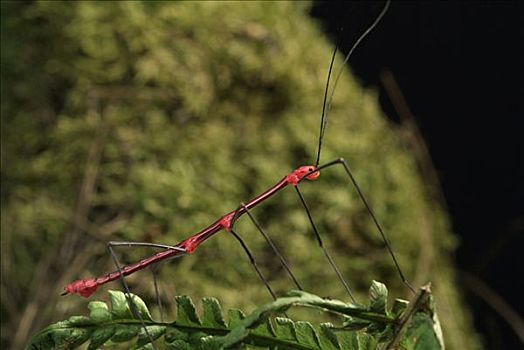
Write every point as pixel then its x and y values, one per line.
pixel 87 287
pixel 226 222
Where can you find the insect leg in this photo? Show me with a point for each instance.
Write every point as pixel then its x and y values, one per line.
pixel 321 244
pixel 236 214
pixel 110 246
pixel 254 263
pixel 373 217
pixel 129 298
pixel 154 272
pixel 273 247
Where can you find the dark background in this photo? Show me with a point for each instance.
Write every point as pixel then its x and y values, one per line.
pixel 460 68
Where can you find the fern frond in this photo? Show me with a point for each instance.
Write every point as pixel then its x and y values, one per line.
pixel 406 326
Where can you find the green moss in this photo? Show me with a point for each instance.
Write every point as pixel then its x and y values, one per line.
pixel 177 113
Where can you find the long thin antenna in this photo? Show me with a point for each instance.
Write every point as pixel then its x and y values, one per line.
pixel 327 106
pixel 323 119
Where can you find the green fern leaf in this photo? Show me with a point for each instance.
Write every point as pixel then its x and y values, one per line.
pixel 413 326
pixel 378 298
pixel 213 313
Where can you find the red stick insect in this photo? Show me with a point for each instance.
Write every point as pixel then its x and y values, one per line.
pixel 87 287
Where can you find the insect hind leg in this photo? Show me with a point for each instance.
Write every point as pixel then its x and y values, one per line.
pixel 134 309
pixel 154 273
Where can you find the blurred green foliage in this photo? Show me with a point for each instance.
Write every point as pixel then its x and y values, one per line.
pixel 147 121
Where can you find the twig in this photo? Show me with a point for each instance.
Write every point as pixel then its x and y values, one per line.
pixel 416 303
pixel 29 318
pixel 414 137
pixel 495 301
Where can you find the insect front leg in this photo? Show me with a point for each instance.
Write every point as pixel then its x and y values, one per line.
pixel 345 165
